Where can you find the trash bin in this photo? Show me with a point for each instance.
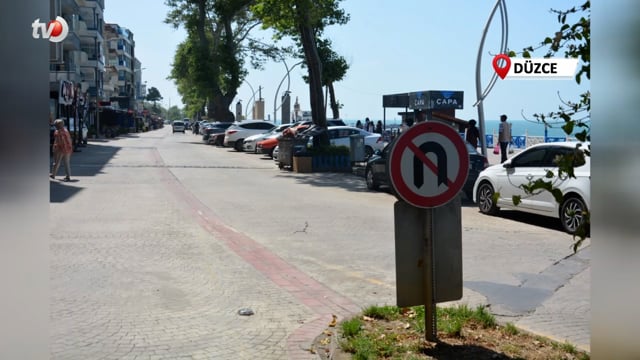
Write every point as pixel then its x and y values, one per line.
pixel 286 149
pixel 357 148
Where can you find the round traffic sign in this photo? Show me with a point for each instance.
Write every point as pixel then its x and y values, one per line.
pixel 428 165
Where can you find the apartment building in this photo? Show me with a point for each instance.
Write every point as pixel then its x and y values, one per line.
pixel 79 60
pixel 97 61
pixel 123 72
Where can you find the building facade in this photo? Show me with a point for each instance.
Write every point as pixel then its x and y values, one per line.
pixel 96 60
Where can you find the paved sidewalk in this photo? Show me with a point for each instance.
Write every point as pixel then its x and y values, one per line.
pixel 154 252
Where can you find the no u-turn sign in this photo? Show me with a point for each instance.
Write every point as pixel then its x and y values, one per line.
pixel 428 165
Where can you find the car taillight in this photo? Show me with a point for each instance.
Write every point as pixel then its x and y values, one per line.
pixel 380 139
pixel 486 162
pixel 230 132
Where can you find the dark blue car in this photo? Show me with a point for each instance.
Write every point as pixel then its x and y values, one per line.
pixel 376 170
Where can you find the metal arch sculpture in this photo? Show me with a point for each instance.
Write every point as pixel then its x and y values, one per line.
pixel 482 94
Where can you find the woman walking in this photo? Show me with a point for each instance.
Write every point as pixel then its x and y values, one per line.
pixel 62 149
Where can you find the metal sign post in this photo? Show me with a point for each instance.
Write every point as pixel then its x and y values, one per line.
pixel 428 166
pixel 430 319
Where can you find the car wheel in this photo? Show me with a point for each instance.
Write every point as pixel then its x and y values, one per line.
pixel 238 145
pixel 368 151
pixel 485 199
pixel 371 182
pixel 572 213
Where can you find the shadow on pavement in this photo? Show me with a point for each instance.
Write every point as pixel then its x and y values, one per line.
pixel 60 192
pixel 444 351
pixel 89 162
pixel 345 181
pixel 531 219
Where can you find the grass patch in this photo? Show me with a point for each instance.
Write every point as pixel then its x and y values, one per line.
pixel 388 332
pixel 351 328
pixel 511 329
pixel 382 312
pixel 451 320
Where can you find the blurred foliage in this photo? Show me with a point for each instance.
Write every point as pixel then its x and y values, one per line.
pixel 572 40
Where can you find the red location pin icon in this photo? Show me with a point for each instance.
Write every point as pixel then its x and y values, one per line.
pixel 501 71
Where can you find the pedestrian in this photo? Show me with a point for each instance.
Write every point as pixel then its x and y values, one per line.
pixel 473 135
pixel 371 128
pixel 504 137
pixel 379 127
pixel 196 128
pixel 359 124
pixel 366 124
pixel 62 149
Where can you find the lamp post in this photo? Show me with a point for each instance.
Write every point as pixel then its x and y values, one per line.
pixel 286 76
pixel 481 95
pixel 253 95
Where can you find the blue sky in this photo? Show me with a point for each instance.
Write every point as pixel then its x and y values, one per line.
pixel 392 47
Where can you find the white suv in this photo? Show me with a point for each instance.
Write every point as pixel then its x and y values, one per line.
pixel 236 133
pixel 178 126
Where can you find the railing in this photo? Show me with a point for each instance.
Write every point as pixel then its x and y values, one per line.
pixel 92 52
pixel 99 2
pixel 525 141
pixel 64 67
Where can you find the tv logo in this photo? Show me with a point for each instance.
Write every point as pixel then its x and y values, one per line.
pixel 55 30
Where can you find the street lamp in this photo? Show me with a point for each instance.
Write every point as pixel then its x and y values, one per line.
pixel 481 95
pixel 253 95
pixel 286 76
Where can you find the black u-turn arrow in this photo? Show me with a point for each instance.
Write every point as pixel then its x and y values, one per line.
pixel 441 158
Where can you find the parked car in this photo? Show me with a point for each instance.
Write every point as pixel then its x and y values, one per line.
pixel 250 143
pixel 211 129
pixel 335 122
pixel 531 164
pixel 178 126
pixel 341 136
pixel 238 131
pixel 376 175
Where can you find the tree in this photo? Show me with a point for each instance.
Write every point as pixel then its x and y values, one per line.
pixel 304 21
pixel 574 39
pixel 174 113
pixel 334 68
pixel 209 65
pixel 153 95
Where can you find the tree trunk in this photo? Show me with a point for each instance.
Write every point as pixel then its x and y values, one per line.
pixel 315 74
pixel 316 96
pixel 221 110
pixel 335 107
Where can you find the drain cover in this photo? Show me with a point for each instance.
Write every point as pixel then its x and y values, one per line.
pixel 245 312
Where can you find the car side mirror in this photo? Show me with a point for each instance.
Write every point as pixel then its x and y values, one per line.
pixel 507 165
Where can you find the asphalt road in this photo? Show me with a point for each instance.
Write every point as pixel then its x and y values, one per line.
pixel 160 240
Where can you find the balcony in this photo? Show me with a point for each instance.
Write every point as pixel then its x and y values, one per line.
pixel 69 7
pixel 95 3
pixel 89 30
pixel 64 71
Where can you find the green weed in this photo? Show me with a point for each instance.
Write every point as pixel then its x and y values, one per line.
pixel 382 312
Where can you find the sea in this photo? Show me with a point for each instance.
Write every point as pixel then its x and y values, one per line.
pixel 518 127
